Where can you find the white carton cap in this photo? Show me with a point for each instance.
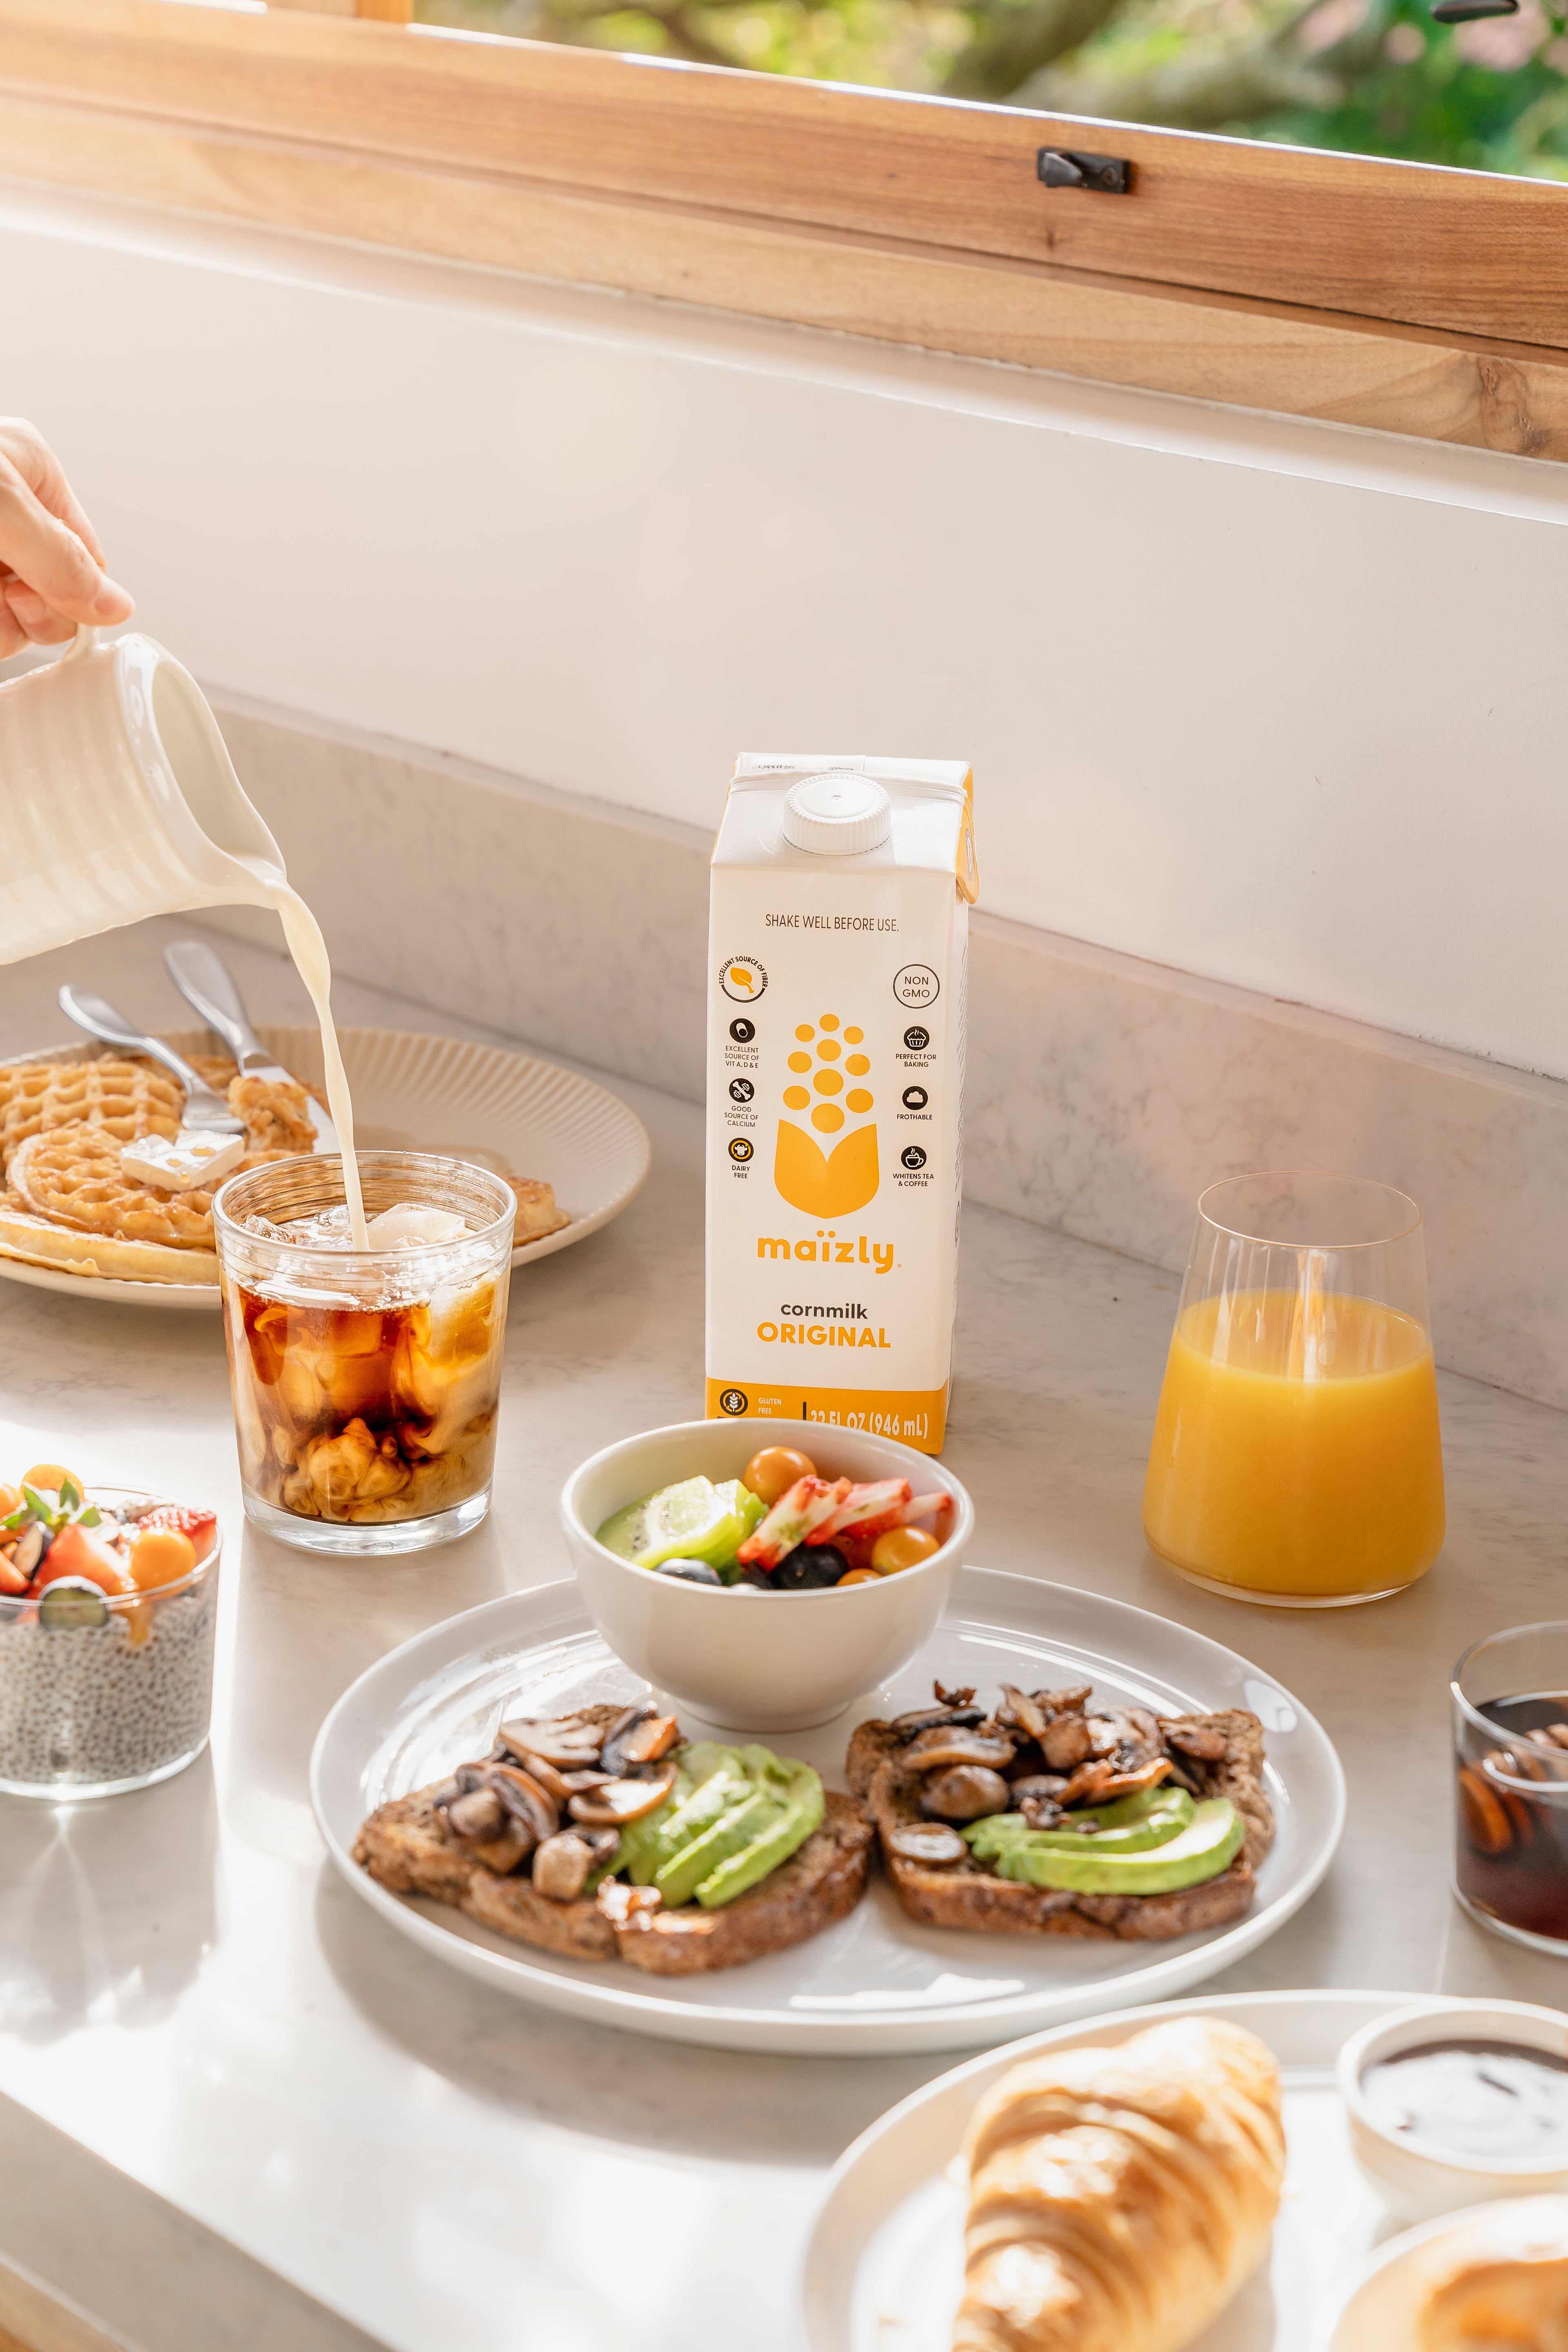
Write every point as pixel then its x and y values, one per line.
pixel 837 814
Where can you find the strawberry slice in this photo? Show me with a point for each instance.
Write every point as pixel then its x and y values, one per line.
pixel 799 1509
pixel 878 1500
pixel 923 1506
pixel 200 1526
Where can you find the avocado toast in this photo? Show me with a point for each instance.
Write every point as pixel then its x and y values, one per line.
pixel 1051 1817
pixel 603 1834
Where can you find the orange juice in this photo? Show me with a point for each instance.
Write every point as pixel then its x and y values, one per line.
pixel 1296 1447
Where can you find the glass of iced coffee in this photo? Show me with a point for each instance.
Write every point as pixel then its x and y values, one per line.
pixel 366 1380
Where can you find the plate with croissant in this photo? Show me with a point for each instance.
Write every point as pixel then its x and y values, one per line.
pixel 73 1218
pixel 1171 2178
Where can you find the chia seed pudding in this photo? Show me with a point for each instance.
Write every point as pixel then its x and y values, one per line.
pixel 90 1709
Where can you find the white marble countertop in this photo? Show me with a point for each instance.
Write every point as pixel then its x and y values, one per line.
pixel 236 2115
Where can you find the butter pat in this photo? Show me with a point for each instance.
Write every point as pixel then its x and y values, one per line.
pixel 179 1164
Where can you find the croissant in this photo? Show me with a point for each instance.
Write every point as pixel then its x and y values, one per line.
pixel 1119 2197
pixel 1499 2306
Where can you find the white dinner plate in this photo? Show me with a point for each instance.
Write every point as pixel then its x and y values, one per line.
pixel 877 1981
pixel 884 2262
pixel 505 1111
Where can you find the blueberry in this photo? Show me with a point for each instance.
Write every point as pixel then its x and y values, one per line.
pixel 690 1571
pixel 757 1578
pixel 809 1569
pixel 70 1602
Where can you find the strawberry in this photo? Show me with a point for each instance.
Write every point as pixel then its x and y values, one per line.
pixel 200 1526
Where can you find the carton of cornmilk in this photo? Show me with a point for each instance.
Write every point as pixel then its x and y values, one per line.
pixel 841 889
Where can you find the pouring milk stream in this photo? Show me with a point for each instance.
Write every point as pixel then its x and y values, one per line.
pixel 119 800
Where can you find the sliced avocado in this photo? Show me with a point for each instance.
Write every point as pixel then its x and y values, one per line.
pixel 640 1855
pixel 1127 1809
pixel 1209 1844
pixel 731 1834
pixel 1161 1815
pixel 775 1844
pixel 1106 1817
pixel 729 1806
pixel 718 1794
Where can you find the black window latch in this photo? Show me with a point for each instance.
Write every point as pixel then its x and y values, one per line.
pixel 1106 175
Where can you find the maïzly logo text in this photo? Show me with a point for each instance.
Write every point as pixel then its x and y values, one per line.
pixel 828 1249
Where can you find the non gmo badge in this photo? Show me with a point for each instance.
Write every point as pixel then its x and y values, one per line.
pixel 917 986
pixel 742 978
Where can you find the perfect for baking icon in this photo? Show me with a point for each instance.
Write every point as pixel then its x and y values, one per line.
pixel 742 978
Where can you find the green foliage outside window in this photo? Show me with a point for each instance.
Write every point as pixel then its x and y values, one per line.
pixel 1368 77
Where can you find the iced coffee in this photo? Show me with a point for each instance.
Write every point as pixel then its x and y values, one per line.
pixel 366 1382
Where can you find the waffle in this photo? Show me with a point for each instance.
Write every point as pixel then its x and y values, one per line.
pixel 537 1213
pixel 72 1176
pixel 124 1098
pixel 41 1241
pixel 276 1118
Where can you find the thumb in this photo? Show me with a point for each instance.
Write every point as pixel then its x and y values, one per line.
pixel 48 558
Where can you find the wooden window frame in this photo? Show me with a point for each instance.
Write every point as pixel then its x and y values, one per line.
pixel 1403 297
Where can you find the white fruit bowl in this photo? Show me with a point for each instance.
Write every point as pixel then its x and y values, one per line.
pixel 758 1661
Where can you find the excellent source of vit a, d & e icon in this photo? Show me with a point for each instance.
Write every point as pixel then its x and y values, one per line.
pixel 839 931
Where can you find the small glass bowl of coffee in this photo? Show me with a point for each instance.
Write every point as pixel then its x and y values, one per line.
pixel 366 1382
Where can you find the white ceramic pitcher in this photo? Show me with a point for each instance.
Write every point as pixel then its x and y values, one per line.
pixel 118 799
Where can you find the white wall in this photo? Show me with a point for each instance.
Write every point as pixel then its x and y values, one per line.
pixel 1278 704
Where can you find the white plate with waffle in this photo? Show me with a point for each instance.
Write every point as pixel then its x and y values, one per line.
pixel 519 1118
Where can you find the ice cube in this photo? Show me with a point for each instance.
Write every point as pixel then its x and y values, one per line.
pixel 409 1227
pixel 328 1229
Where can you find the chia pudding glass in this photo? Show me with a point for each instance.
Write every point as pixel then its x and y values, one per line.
pixel 92 1709
pixel 366 1382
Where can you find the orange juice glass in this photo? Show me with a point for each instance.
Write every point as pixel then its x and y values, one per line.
pixel 1296 1458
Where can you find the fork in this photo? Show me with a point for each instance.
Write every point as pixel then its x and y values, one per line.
pixel 202 1108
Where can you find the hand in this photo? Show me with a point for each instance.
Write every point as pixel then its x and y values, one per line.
pixel 51 565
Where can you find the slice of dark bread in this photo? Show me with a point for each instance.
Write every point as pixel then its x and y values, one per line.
pixel 967 1895
pixel 405 1846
